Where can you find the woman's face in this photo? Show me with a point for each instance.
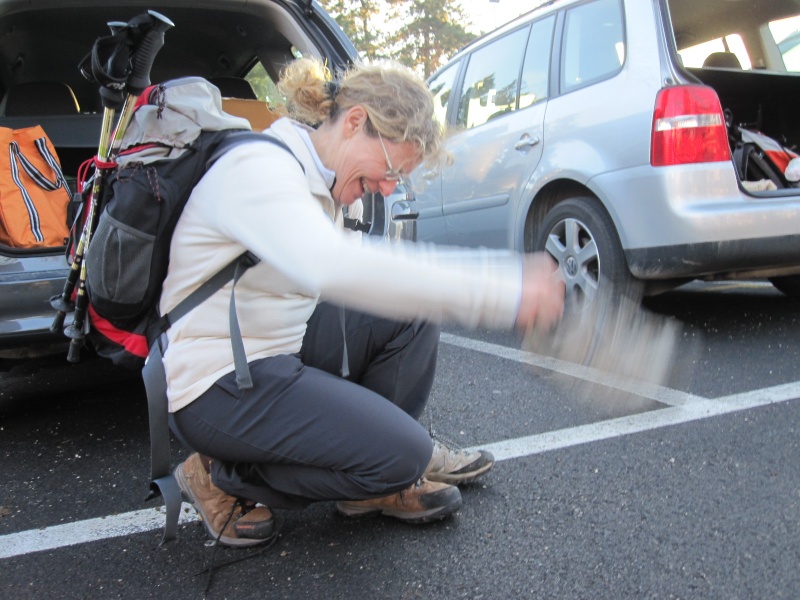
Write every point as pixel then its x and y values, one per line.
pixel 370 164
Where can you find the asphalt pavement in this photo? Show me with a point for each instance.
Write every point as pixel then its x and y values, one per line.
pixel 690 490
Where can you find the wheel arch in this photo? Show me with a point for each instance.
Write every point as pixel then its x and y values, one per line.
pixel 606 267
pixel 553 193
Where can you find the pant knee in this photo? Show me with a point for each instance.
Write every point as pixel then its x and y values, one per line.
pixel 404 466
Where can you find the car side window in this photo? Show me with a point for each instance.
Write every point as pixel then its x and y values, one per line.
pixel 536 68
pixel 491 84
pixel 593 44
pixel 786 34
pixel 263 85
pixel 441 87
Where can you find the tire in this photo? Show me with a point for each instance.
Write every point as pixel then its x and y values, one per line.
pixel 788 284
pixel 581 237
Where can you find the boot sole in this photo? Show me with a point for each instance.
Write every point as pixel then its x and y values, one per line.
pixel 416 518
pixel 223 540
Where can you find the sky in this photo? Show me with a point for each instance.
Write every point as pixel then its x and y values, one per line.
pixel 486 15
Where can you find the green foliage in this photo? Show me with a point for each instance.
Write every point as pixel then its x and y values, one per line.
pixel 423 33
pixel 357 19
pixel 432 31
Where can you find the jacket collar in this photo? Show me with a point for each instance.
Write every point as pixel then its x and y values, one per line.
pixel 285 129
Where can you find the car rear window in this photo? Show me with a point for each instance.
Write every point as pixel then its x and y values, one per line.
pixel 593 44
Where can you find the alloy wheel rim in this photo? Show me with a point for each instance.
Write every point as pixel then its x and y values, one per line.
pixel 572 245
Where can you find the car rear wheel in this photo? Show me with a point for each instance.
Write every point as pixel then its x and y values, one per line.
pixel 580 236
pixel 788 284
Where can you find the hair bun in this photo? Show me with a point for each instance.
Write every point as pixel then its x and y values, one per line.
pixel 332 88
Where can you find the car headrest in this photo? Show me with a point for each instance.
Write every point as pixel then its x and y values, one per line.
pixel 722 60
pixel 41 98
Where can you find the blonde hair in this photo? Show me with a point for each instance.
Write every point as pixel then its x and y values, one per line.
pixel 399 104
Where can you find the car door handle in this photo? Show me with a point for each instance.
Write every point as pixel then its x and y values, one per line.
pixel 404 211
pixel 526 142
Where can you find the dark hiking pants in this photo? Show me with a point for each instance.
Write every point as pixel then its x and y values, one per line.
pixel 303 433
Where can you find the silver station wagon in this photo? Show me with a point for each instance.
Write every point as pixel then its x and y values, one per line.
pixel 642 143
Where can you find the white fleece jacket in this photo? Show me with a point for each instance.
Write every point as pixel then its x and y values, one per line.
pixel 257 198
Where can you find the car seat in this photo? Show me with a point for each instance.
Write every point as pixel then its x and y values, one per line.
pixel 41 98
pixel 722 60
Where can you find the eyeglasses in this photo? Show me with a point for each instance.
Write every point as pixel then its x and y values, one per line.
pixel 391 173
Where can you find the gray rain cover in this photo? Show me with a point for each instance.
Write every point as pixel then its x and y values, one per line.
pixel 176 114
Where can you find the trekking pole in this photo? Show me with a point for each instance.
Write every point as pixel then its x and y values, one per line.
pixel 113 74
pixel 152 26
pixel 147 35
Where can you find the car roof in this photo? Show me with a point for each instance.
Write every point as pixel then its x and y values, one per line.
pixel 693 21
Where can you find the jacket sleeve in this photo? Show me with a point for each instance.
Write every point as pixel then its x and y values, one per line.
pixel 269 210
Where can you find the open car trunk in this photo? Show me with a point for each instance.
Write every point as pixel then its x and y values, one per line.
pixel 240 47
pixel 763 123
pixel 749 53
pixel 760 100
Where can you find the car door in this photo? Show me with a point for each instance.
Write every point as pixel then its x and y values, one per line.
pixel 426 182
pixel 498 117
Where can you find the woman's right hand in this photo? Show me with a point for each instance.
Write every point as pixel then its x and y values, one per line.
pixel 543 289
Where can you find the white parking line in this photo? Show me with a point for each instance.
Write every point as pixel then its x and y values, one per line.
pixel 673 415
pixel 643 390
pixel 682 408
pixel 89 530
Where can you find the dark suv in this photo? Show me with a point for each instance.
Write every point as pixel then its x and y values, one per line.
pixel 239 46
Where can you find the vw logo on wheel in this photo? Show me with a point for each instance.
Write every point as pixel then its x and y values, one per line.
pixel 571 266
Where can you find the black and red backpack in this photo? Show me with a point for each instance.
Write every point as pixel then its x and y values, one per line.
pixel 177 131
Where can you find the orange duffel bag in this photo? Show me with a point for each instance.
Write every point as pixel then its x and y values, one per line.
pixel 33 192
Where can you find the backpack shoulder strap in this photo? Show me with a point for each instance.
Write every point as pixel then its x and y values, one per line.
pixel 200 295
pixel 162 481
pixel 235 138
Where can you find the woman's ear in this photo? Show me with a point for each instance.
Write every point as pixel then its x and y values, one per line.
pixel 354 120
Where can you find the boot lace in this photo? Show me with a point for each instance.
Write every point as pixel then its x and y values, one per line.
pixel 442 439
pixel 243 507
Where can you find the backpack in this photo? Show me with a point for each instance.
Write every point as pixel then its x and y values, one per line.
pixel 177 132
pixel 757 157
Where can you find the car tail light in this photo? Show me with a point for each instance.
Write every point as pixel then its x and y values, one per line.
pixel 688 127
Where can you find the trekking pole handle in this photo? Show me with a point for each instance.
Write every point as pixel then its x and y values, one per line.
pixel 113 93
pixel 141 64
pixel 145 54
pixel 110 60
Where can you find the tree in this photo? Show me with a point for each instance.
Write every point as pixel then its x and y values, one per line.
pixel 355 18
pixel 430 32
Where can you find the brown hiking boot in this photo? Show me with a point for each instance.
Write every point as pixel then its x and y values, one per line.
pixel 244 523
pixel 422 502
pixel 457 467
